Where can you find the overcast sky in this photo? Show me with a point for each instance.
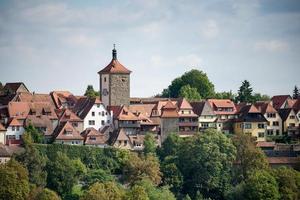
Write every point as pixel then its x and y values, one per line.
pixel 54 45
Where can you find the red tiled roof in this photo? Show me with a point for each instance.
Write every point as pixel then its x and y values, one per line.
pixel 14 86
pixel 222 103
pixel 296 106
pixel 2 128
pixel 62 97
pixel 184 104
pixel 114 67
pixel 68 115
pixel 279 100
pixel 94 137
pixel 14 122
pixel 84 105
pixel 265 107
pixel 169 110
pixel 60 132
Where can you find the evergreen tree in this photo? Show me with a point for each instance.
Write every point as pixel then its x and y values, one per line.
pixel 245 92
pixel 296 93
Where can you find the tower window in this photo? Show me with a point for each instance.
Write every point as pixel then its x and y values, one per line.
pixel 104 79
pixel 123 79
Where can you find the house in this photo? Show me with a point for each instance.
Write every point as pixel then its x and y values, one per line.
pixel 290 122
pixel 280 101
pixel 14 132
pixel 2 134
pixel 63 99
pixel 93 137
pixel 251 121
pixel 120 139
pixel 226 113
pixel 207 117
pixel 272 116
pixel 5 154
pixel 188 120
pixel 14 88
pixel 65 133
pixel 124 119
pixel 93 113
pixel 67 115
pixel 169 120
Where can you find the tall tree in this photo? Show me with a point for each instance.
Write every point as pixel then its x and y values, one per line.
pixel 13 181
pixel 225 95
pixel 33 161
pixel 190 93
pixel 196 79
pixel 170 146
pixel 44 194
pixel 249 157
pixel 245 92
pixel 1 87
pixel 205 162
pixel 90 92
pixel 104 191
pixel 260 97
pixel 137 193
pixel 149 144
pixel 35 134
pixel 296 93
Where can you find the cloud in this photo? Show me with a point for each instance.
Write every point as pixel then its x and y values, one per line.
pixel 272 46
pixel 210 29
pixel 81 40
pixel 190 60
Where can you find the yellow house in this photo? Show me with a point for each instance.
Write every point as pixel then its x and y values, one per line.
pixel 251 121
pixel 290 121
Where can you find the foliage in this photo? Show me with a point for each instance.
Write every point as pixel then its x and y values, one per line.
pixel 44 194
pixel 104 191
pixel 170 146
pixel 137 193
pixel 250 157
pixel 97 175
pixel 1 87
pixel 296 92
pixel 190 93
pixel 225 95
pixel 14 182
pixel 196 79
pixel 36 135
pixel 245 92
pixel 289 182
pixel 33 161
pixel 138 168
pixel 259 97
pixel 205 162
pixel 62 174
pixel 90 92
pixel 149 144
pixel 171 175
pixel 187 197
pixel 261 185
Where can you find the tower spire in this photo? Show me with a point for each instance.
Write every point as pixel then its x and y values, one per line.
pixel 114 53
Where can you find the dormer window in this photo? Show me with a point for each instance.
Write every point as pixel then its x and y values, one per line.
pixel 68 132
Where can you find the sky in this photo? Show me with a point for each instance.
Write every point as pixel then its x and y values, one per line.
pixel 61 45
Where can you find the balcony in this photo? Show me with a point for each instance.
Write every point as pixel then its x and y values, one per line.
pixel 129 125
pixel 293 128
pixel 188 124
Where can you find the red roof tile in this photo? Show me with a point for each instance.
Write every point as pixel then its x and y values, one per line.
pixel 278 100
pixel 73 134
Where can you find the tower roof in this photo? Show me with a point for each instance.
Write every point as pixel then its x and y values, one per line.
pixel 114 67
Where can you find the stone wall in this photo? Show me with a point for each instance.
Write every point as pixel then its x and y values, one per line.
pixel 168 125
pixel 119 89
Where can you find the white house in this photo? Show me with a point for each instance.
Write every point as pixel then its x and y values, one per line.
pixel 14 132
pixel 93 113
pixel 2 134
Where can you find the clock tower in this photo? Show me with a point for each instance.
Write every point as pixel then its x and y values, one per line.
pixel 115 83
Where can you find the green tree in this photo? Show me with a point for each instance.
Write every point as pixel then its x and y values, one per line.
pixel 137 193
pixel 187 197
pixel 261 185
pixel 196 79
pixel 97 175
pixel 190 93
pixel 104 191
pixel 245 92
pixel 171 175
pixel 1 87
pixel 138 168
pixel 33 161
pixel 45 194
pixel 296 92
pixel 61 174
pixel 149 144
pixel 90 92
pixel 259 97
pixel 249 157
pixel 35 134
pixel 225 95
pixel 288 181
pixel 14 182
pixel 205 162
pixel 170 146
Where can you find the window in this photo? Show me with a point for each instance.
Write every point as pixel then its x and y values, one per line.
pixel 271 115
pixel 276 123
pixel 72 142
pixel 13 128
pixel 261 126
pixel 17 128
pixel 75 124
pixel 76 142
pixel 104 79
pixel 125 142
pixel 102 122
pixel 108 121
pixel 248 125
pixel 269 132
pixel 92 138
pixel 91 122
pixel 261 135
pixel 102 113
pixel 292 117
pixel 93 114
pixel 98 105
pixel 277 132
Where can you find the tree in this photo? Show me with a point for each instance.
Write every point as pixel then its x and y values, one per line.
pixel 225 95
pixel 288 181
pixel 245 92
pixel 187 197
pixel 44 194
pixel 104 191
pixel 137 193
pixel 170 146
pixel 13 181
pixel 261 185
pixel 205 162
pixel 249 157
pixel 1 87
pixel 61 174
pixel 190 93
pixel 97 175
pixel 33 161
pixel 296 93
pixel 196 79
pixel 90 92
pixel 36 135
pixel 138 168
pixel 259 97
pixel 149 144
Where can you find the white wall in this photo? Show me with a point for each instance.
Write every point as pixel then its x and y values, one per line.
pixel 16 132
pixel 2 137
pixel 97 109
pixel 104 85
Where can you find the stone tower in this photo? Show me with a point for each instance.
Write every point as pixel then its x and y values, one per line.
pixel 169 120
pixel 115 83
